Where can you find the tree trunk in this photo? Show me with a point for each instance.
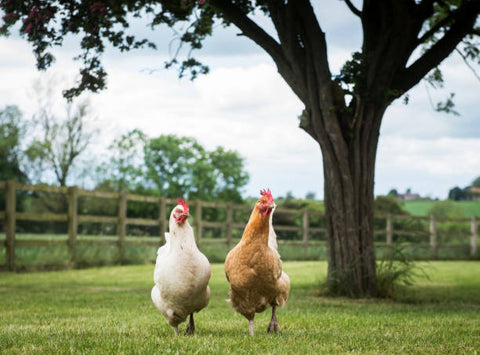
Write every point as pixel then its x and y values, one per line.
pixel 349 184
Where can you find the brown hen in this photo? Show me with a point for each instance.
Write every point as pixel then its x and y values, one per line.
pixel 254 269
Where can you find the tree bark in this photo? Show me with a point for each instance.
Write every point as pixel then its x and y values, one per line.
pixel 349 184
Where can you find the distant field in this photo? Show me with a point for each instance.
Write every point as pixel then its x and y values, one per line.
pixel 420 208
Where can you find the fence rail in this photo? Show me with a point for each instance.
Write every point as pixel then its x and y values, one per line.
pixel 73 218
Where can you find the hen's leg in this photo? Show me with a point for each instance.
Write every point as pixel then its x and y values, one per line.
pixel 190 325
pixel 176 330
pixel 273 326
pixel 250 326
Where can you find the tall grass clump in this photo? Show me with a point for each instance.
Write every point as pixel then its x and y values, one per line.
pixel 396 270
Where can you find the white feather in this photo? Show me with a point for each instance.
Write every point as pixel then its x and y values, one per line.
pixel 272 237
pixel 181 275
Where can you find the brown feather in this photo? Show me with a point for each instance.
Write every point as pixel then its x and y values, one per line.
pixel 254 270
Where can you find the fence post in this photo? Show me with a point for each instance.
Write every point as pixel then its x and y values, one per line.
pixel 10 223
pixel 72 224
pixel 122 225
pixel 389 233
pixel 198 221
pixel 305 230
pixel 229 224
pixel 433 236
pixel 473 240
pixel 162 219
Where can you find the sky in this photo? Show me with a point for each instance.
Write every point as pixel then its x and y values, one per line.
pixel 244 105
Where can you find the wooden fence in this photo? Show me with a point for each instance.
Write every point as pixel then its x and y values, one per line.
pixel 11 216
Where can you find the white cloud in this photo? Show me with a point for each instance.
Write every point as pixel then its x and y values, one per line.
pixel 430 167
pixel 243 104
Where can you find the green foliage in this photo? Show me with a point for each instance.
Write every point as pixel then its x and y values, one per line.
pixel 458 194
pixel 388 204
pixel 446 209
pixel 180 166
pixel 47 24
pixel 393 192
pixel 125 169
pixel 394 271
pixel 476 182
pixel 353 74
pixel 447 106
pixel 12 131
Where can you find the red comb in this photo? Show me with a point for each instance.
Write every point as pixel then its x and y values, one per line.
pixel 184 205
pixel 268 194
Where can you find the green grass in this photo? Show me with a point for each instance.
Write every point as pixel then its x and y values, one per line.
pixel 108 310
pixel 420 208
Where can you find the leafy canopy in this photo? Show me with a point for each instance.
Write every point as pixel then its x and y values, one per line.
pixel 173 166
pixel 432 27
pixel 180 166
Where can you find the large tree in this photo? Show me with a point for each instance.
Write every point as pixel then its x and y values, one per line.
pixel 403 41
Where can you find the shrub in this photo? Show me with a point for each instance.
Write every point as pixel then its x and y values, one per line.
pixel 394 271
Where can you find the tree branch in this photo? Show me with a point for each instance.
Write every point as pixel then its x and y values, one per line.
pixel 434 29
pixel 353 9
pixel 465 60
pixel 464 20
pixel 250 29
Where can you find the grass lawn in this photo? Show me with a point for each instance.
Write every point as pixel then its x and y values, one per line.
pixel 108 310
pixel 421 208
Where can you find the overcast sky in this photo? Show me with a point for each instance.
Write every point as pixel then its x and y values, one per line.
pixel 244 105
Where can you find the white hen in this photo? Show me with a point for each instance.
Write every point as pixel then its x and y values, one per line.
pixel 181 273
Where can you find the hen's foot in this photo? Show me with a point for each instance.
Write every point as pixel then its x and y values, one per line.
pixel 273 326
pixel 190 326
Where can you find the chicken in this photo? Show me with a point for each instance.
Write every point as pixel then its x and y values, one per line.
pixel 181 273
pixel 254 269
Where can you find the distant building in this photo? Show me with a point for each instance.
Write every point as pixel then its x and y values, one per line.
pixel 409 196
pixel 475 193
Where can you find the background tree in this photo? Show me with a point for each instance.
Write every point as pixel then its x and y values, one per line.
pixel 12 131
pixel 446 209
pixel 229 174
pixel 125 169
pixel 388 204
pixel 61 141
pixel 172 162
pixel 393 193
pixel 457 194
pixel 180 166
pixel 403 41
pixel 476 182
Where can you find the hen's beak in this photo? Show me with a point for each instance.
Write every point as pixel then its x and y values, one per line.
pixel 186 214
